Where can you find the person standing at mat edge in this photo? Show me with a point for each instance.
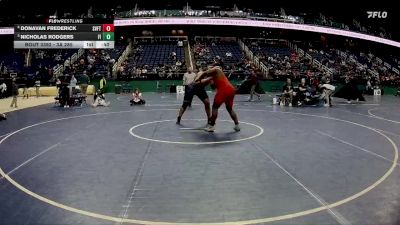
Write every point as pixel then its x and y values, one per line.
pixel 72 85
pixel 14 93
pixel 225 94
pixel 37 86
pixel 84 82
pixel 253 78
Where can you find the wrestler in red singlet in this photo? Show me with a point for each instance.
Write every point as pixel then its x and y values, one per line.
pixel 225 91
pixel 225 94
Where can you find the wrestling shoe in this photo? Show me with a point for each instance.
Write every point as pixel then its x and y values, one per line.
pixel 209 128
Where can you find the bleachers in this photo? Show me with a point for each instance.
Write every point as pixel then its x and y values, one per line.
pixel 273 50
pixel 96 63
pixel 235 64
pixel 155 59
pixel 281 60
pixel 14 61
pixel 221 49
pixel 116 52
pixel 206 52
pixel 49 57
pixel 354 63
pixel 155 54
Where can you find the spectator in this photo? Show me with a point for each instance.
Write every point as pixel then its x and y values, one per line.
pixel 5 70
pixel 3 90
pixel 174 68
pixel 137 98
pixel 49 72
pixel 287 93
pixel 173 55
pixel 67 64
pixel 169 74
pixel 63 95
pixel 72 85
pixel 138 72
pixel 37 87
pixel 111 63
pixel 302 92
pixel 58 85
pixel 327 90
pixel 100 99
pixel 25 92
pixel 180 43
pixel 14 93
pixel 84 82
pixel 103 84
pixel 369 89
pixel 161 72
pixel 2 67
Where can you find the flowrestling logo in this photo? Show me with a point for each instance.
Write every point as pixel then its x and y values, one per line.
pixel 377 14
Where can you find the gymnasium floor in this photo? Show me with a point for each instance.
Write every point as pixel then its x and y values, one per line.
pixel 134 165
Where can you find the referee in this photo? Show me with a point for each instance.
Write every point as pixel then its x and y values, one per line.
pixel 188 78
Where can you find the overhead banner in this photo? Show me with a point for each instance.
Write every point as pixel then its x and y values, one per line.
pixel 252 23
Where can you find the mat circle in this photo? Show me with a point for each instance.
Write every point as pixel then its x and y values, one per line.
pixel 260 132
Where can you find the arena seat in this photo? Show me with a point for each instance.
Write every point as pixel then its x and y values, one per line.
pixel 273 50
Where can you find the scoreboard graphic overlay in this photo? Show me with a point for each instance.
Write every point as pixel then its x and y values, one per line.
pixel 65 34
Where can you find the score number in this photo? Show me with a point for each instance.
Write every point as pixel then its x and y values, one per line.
pixel 108 27
pixel 108 32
